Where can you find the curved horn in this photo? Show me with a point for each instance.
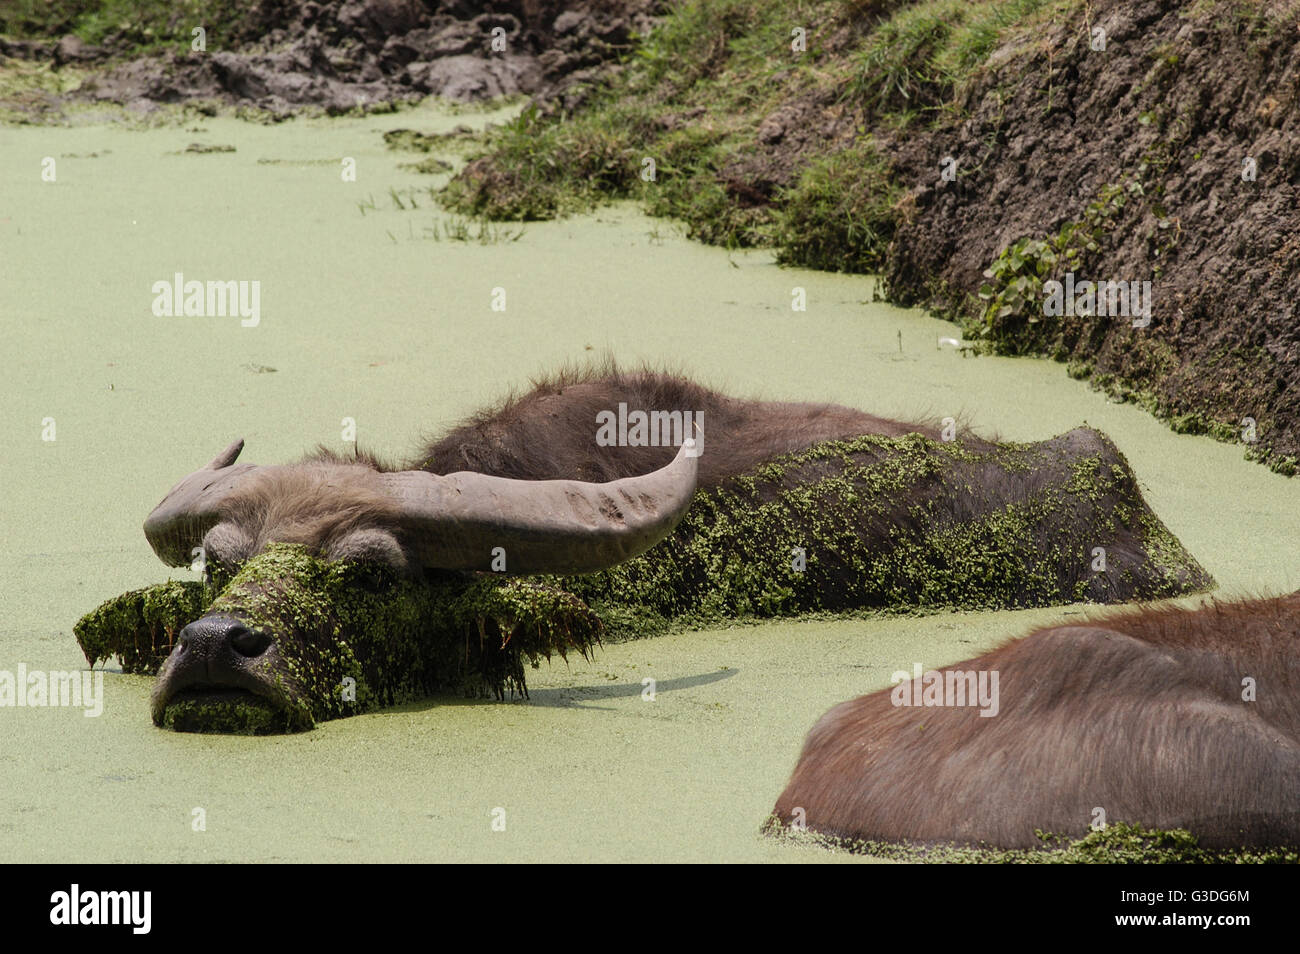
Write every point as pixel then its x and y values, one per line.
pixel 177 525
pixel 454 522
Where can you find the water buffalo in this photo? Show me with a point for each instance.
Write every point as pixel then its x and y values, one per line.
pixel 341 582
pixel 1164 718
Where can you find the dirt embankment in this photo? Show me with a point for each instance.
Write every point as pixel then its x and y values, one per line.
pixel 971 151
pixel 1176 151
pixel 283 55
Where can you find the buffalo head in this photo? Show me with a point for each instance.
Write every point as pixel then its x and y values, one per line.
pixel 341 585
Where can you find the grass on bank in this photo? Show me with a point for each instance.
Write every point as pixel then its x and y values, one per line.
pixel 920 56
pixel 141 25
pixel 693 99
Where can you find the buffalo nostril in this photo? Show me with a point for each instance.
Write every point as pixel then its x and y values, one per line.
pixel 217 637
pixel 187 636
pixel 248 642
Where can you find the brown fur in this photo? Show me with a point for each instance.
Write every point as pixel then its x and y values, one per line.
pixel 324 506
pixel 550 432
pixel 1139 714
pixel 547 433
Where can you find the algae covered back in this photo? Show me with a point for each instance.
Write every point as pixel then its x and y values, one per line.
pixel 904 524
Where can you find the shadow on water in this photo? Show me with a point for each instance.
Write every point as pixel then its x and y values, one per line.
pixel 573 697
pixel 568 697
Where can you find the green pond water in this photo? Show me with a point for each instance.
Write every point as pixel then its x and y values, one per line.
pixel 364 315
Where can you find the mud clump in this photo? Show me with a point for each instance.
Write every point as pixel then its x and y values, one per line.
pixel 340 55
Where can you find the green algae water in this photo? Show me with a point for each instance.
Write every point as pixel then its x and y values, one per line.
pixel 376 310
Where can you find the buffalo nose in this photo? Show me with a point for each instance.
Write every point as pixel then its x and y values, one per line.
pixel 249 642
pixel 213 634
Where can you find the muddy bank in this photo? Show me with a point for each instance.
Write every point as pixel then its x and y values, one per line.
pixel 936 142
pixel 334 55
pixel 1172 157
pixel 969 152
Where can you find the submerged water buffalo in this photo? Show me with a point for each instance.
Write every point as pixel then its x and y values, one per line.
pixel 339 583
pixel 1165 718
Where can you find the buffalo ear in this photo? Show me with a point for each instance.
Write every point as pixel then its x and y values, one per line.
pixel 227 545
pixel 373 547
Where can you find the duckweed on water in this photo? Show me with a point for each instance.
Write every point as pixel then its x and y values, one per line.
pixel 244 716
pixel 1117 843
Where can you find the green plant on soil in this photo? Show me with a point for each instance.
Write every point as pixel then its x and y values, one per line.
pixel 916 58
pixel 693 95
pixel 542 169
pixel 1012 320
pixel 26 86
pixel 1014 294
pixel 839 216
pixel 919 57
